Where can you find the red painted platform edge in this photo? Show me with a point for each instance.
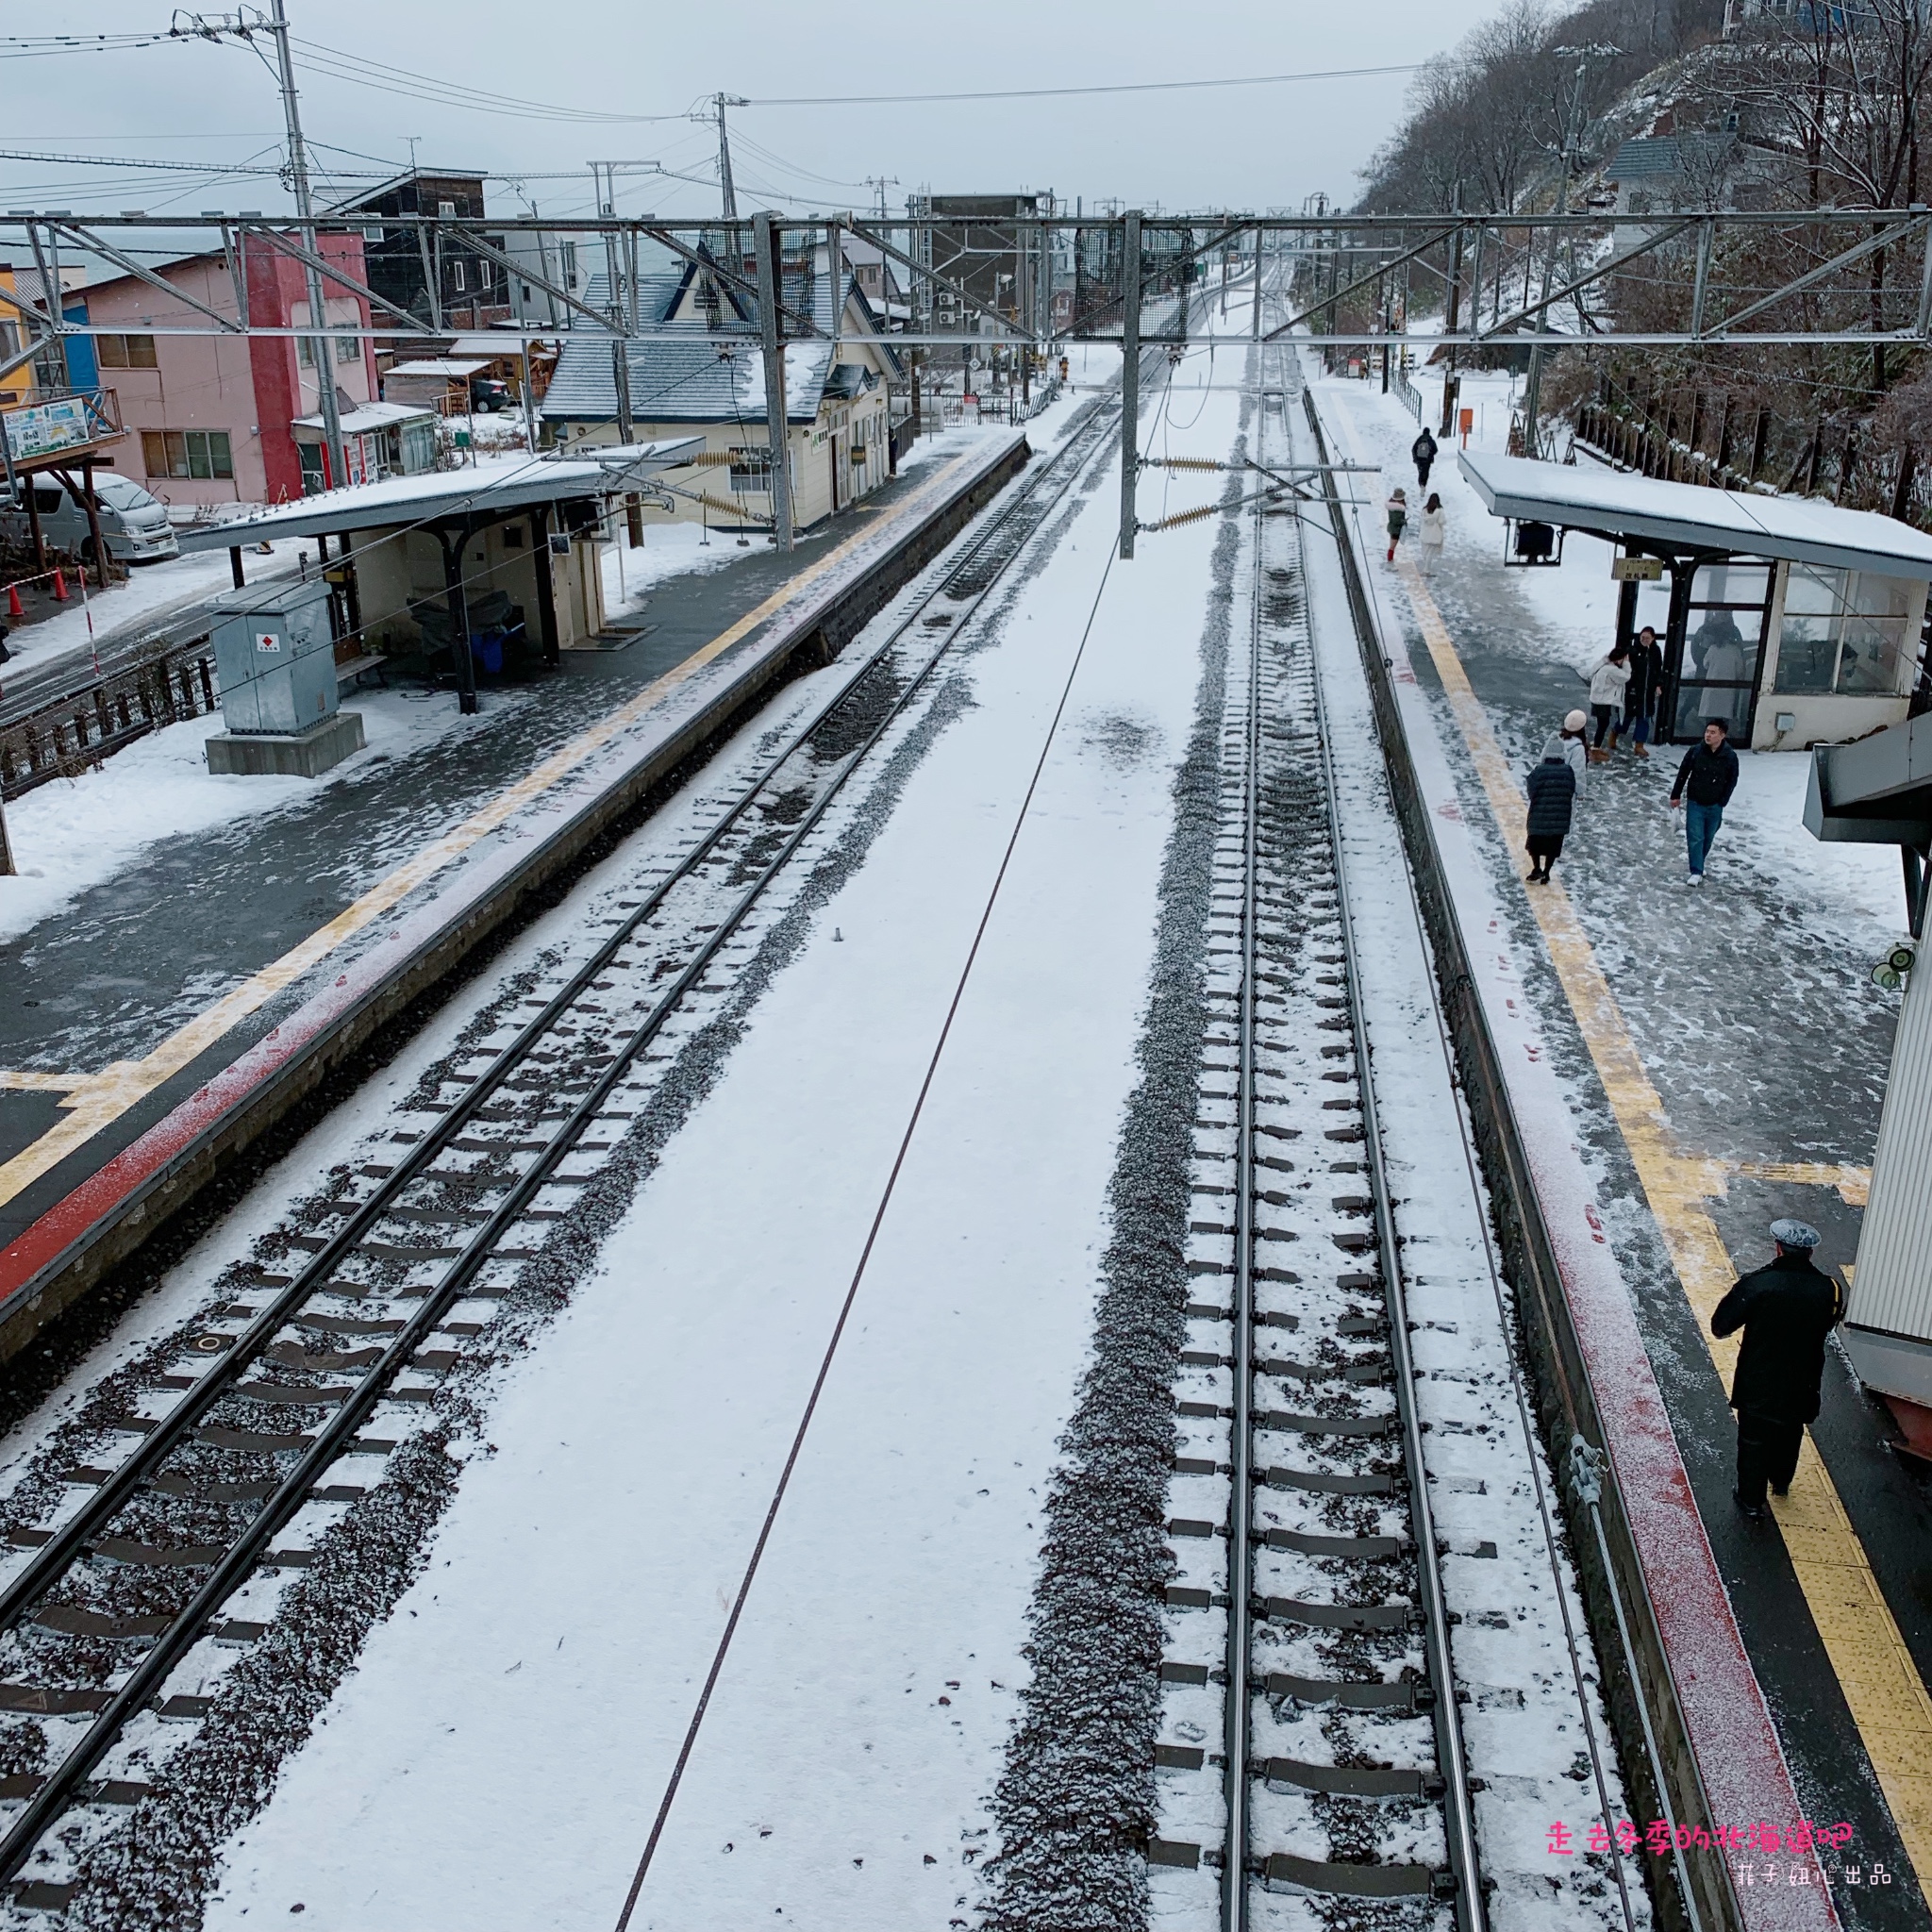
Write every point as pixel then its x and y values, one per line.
pixel 40 1250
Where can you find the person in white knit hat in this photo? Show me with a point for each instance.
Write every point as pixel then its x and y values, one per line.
pixel 1567 745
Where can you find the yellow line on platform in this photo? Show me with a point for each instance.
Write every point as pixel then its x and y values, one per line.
pixel 1854 1183
pixel 97 1100
pixel 1887 1698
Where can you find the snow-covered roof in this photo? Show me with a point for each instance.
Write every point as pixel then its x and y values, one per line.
pixel 1690 516
pixel 485 489
pixel 679 375
pixel 371 416
pixel 449 366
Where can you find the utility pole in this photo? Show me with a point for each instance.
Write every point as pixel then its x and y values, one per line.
pixel 243 26
pixel 613 275
pixel 1130 381
pixel 324 349
pixel 726 191
pixel 765 238
pixel 882 182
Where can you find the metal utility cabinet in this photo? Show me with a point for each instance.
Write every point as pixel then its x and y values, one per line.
pixel 275 653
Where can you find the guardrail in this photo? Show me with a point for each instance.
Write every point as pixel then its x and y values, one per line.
pixel 77 731
pixel 1412 396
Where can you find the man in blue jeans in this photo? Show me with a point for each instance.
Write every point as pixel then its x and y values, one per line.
pixel 1705 780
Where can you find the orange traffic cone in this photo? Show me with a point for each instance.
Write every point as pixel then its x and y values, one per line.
pixel 60 586
pixel 13 608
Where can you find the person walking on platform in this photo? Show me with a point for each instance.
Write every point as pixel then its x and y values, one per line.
pixel 1708 776
pixel 1432 532
pixel 1607 686
pixel 1424 450
pixel 1552 788
pixel 1786 1309
pixel 1640 693
pixel 1398 516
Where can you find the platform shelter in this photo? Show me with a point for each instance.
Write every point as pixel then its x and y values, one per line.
pixel 1796 622
pixel 415 557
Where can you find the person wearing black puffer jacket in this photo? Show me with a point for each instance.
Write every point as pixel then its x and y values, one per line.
pixel 1785 1308
pixel 1708 774
pixel 1552 788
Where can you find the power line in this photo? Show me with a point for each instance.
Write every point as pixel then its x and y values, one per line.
pixel 342 65
pixel 39 46
pixel 1037 94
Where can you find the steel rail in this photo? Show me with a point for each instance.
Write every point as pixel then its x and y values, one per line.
pixel 1241 1507
pixel 68 1545
pixel 1452 1760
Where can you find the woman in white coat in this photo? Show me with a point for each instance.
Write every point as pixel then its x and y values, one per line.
pixel 1607 683
pixel 1433 532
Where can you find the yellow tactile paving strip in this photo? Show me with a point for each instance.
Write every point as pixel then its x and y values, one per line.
pixel 1882 1687
pixel 96 1101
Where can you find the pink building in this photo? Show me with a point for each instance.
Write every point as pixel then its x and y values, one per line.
pixel 217 419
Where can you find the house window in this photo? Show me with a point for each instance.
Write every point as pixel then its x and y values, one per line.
pixel 1842 631
pixel 125 352
pixel 348 349
pixel 751 467
pixel 457 277
pixel 567 262
pixel 202 454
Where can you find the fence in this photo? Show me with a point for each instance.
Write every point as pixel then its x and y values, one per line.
pixel 1698 436
pixel 1412 396
pixel 81 728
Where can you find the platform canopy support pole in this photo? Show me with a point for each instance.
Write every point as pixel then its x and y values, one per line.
pixel 765 238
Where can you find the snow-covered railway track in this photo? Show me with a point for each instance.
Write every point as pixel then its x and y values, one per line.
pixel 1341 1755
pixel 236 1452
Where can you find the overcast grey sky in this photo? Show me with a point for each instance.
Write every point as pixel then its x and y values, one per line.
pixel 1248 147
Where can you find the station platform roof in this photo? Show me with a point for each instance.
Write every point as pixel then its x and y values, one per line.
pixel 489 487
pixel 1692 516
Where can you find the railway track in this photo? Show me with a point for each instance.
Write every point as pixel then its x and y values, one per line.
pixel 1333 1698
pixel 238 1446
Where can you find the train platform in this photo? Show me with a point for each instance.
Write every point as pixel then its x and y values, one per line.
pixel 234 937
pixel 1719 1057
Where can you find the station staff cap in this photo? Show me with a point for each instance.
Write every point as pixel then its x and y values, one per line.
pixel 1794 1234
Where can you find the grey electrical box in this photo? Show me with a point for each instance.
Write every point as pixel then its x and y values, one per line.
pixel 276 658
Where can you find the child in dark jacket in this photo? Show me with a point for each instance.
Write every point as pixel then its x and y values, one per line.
pixel 1552 788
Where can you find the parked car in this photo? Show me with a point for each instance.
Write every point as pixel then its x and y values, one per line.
pixel 134 524
pixel 490 394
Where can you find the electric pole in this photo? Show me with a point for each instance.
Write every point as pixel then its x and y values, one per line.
pixel 882 182
pixel 1130 381
pixel 603 173
pixel 323 348
pixel 726 190
pixel 243 26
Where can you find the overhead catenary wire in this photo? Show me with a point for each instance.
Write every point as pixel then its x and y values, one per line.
pixel 1042 93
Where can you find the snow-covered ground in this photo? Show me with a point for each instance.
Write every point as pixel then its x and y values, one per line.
pixel 78 832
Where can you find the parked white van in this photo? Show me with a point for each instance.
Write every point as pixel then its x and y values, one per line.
pixel 134 524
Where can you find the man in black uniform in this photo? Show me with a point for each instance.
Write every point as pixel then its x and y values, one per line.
pixel 1786 1309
